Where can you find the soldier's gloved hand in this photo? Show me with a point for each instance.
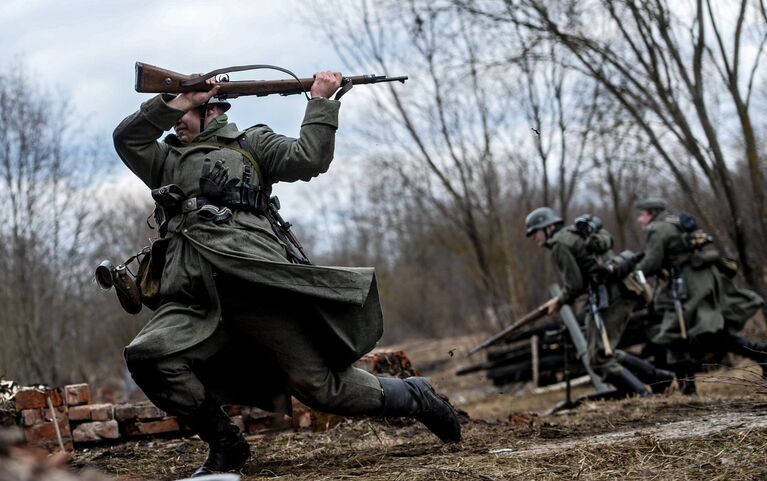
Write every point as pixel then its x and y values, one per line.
pixel 215 181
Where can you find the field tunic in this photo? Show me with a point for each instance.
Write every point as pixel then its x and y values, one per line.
pixel 344 299
pixel 572 257
pixel 713 302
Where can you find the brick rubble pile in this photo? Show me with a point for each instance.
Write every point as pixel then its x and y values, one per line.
pixel 80 422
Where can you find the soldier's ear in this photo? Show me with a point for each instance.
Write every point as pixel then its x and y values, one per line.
pixel 212 112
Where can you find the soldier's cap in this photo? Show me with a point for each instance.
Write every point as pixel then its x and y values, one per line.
pixel 540 218
pixel 651 203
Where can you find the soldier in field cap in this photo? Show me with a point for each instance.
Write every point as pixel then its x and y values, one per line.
pixel 700 308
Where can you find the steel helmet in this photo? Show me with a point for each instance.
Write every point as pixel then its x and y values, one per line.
pixel 540 218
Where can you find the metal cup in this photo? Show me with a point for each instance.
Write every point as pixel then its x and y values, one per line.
pixel 105 275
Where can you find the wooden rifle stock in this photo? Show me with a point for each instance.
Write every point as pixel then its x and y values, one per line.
pixel 534 315
pixel 151 79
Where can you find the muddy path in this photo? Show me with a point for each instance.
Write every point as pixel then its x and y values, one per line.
pixel 720 434
pixel 702 439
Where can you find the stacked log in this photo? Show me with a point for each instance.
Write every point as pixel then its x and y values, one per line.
pixel 537 354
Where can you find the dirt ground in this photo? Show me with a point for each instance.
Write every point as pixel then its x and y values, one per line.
pixel 719 434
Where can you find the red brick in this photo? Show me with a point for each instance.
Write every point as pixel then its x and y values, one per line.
pixel 62 415
pixel 34 398
pixel 31 417
pixel 91 412
pixel 77 394
pixel 80 413
pixel 57 396
pixel 302 416
pixel 102 412
pixel 132 412
pixel 46 432
pixel 31 399
pixel 302 420
pixel 393 363
pixel 95 431
pixel 140 428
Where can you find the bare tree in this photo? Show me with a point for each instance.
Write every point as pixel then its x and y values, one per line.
pixel 443 136
pixel 45 170
pixel 680 75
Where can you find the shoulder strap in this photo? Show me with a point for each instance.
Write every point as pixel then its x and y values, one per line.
pixel 246 150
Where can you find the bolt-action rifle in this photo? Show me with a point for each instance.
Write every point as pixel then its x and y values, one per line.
pixel 679 295
pixel 598 302
pixel 151 79
pixel 533 315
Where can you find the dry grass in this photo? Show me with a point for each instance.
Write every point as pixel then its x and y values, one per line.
pixel 664 437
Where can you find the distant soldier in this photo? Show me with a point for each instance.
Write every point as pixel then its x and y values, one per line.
pixel 701 310
pixel 581 253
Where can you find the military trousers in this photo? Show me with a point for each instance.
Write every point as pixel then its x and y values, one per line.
pixel 616 317
pixel 287 348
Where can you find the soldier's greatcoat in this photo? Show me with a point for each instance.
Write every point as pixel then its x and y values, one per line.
pixel 713 304
pixel 343 300
pixel 573 254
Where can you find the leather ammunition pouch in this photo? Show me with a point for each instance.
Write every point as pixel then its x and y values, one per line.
pixel 167 202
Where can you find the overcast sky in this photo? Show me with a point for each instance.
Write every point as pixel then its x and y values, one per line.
pixel 87 49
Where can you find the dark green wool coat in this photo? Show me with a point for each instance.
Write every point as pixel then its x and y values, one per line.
pixel 345 300
pixel 713 304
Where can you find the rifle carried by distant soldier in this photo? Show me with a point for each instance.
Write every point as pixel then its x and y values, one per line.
pixel 151 79
pixel 531 316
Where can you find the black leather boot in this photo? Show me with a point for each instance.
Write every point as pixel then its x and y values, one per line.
pixel 658 379
pixel 228 449
pixel 415 397
pixel 685 378
pixel 756 351
pixel 627 383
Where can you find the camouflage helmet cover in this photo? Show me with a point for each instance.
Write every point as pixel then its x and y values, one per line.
pixel 651 203
pixel 540 218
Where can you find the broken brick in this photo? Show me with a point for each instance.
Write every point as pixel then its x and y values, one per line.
pixel 393 363
pixel 140 428
pixel 95 431
pixel 130 412
pixel 77 394
pixel 35 398
pixel 31 417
